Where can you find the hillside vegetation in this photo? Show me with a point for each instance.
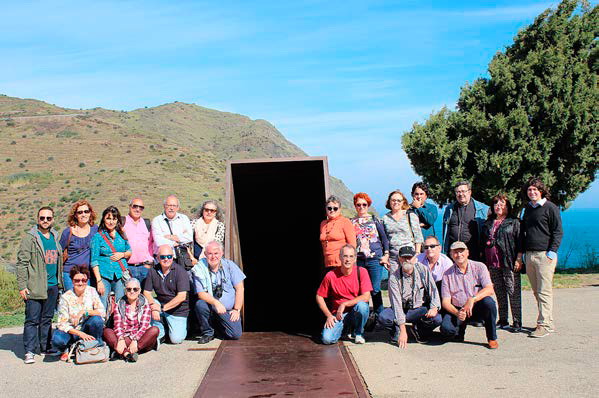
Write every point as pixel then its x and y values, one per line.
pixel 54 156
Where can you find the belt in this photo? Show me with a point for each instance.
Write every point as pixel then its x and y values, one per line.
pixel 140 264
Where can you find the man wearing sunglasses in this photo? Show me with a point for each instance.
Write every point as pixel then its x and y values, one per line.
pixel 436 261
pixel 173 229
pixel 39 276
pixel 138 230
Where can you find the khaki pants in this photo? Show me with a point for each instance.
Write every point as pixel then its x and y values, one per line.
pixel 540 269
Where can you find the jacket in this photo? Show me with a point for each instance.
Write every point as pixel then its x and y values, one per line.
pixel 31 265
pixel 507 239
pixel 480 210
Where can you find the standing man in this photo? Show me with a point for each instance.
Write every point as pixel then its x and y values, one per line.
pixel 172 228
pixel 542 234
pixel 466 292
pixel 170 282
pixel 347 289
pixel 219 285
pixel 426 211
pixel 39 276
pixel 463 221
pixel 139 234
pixel 436 261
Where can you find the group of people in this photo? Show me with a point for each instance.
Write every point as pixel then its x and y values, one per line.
pixel 127 282
pixel 449 285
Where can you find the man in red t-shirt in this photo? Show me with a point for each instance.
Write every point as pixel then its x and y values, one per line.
pixel 347 290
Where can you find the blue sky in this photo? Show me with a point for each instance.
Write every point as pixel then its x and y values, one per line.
pixel 338 78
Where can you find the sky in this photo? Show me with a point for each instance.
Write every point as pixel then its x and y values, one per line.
pixel 343 79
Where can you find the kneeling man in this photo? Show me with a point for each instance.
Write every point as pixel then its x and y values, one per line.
pixel 347 289
pixel 219 285
pixel 414 298
pixel 466 292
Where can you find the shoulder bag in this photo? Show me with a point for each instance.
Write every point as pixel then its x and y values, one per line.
pixel 89 352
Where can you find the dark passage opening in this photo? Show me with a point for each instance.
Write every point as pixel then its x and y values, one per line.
pixel 279 206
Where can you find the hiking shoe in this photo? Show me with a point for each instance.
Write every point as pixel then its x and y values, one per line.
pixel 204 339
pixel 133 357
pixel 539 332
pixel 414 333
pixel 359 339
pixel 64 356
pixel 29 358
pixel 493 345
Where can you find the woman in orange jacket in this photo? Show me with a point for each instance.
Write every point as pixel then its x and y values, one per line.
pixel 335 232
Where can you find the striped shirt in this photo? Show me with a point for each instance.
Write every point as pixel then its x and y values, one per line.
pixel 461 286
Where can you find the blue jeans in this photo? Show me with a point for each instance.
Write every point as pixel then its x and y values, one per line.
pixel 374 268
pixel 139 272
pixel 354 320
pixel 37 330
pixel 115 286
pixel 209 319
pixel 414 316
pixel 177 327
pixel 482 311
pixel 94 326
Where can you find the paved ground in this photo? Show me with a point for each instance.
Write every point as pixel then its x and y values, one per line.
pixel 563 364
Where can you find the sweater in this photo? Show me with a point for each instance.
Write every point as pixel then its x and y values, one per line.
pixel 542 228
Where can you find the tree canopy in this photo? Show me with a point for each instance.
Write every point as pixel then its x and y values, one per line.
pixel 535 115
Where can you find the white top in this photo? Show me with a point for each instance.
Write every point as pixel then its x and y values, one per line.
pixel 179 224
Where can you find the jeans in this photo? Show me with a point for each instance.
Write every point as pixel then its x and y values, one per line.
pixel 354 320
pixel 94 326
pixel 115 286
pixel 177 327
pixel 209 319
pixel 37 330
pixel 415 316
pixel 483 310
pixel 139 272
pixel 67 282
pixel 374 268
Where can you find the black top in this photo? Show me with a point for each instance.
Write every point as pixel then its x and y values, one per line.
pixel 542 227
pixel 463 227
pixel 177 280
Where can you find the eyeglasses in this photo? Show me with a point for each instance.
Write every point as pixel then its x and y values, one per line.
pixel 361 204
pixel 140 207
pixel 426 247
pixel 209 210
pixel 132 289
pixel 461 192
pixel 80 280
pixel 166 256
pixel 86 211
pixel 397 200
pixel 331 208
pixel 42 218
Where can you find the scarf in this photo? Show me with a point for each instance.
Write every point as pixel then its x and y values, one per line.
pixel 205 233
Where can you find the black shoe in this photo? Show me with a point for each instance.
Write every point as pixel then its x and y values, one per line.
pixel 459 338
pixel 476 324
pixel 505 325
pixel 205 339
pixel 414 333
pixel 516 327
pixel 371 322
pixel 133 357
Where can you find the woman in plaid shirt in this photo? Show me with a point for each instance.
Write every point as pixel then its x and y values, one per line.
pixel 132 333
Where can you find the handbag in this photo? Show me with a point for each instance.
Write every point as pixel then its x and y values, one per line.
pixel 181 251
pixel 89 352
pixel 65 251
pixel 126 274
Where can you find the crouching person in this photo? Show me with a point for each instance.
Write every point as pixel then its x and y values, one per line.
pixel 132 333
pixel 170 282
pixel 80 313
pixel 347 289
pixel 219 285
pixel 414 298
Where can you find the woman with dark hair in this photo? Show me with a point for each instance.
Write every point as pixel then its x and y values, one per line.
pixel 501 239
pixel 75 240
pixel 109 253
pixel 426 211
pixel 373 246
pixel 207 226
pixel 80 313
pixel 335 232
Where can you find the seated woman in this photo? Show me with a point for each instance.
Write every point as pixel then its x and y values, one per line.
pixel 80 313
pixel 132 333
pixel 207 226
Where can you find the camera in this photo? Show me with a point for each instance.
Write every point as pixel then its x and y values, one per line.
pixel 407 305
pixel 218 292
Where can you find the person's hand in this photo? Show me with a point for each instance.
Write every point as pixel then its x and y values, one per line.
pixel 518 265
pixel 117 256
pixel 402 340
pixel 330 322
pixel 462 315
pixel 432 312
pixel 133 347
pixel 234 315
pixel 24 293
pixel 384 260
pixel 174 238
pixel 219 307
pixel 120 346
pixel 76 318
pixel 86 337
pixel 417 203
pixel 340 312
pixel 156 315
pixel 101 288
pixel 155 306
pixel 467 308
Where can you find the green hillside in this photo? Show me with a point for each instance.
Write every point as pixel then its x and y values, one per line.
pixel 52 155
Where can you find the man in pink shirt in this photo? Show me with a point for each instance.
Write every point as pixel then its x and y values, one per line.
pixel 139 234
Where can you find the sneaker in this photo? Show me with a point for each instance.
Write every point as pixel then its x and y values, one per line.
pixel 359 339
pixel 64 356
pixel 133 357
pixel 204 339
pixel 539 332
pixel 51 353
pixel 493 345
pixel 29 358
pixel 476 324
pixel 516 327
pixel 503 325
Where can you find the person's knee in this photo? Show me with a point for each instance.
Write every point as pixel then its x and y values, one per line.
pixel 328 338
pixel 234 334
pixel 177 335
pixel 202 307
pixel 362 307
pixel 386 317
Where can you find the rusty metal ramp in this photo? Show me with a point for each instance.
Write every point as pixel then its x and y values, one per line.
pixel 276 364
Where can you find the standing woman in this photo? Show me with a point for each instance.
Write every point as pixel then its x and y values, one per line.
pixel 75 240
pixel 401 226
pixel 373 246
pixel 207 226
pixel 110 250
pixel 335 232
pixel 500 234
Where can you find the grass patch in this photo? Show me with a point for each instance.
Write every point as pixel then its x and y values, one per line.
pixel 11 305
pixel 19 179
pixel 9 320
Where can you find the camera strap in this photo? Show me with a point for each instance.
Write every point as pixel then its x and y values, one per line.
pixel 413 284
pixel 222 277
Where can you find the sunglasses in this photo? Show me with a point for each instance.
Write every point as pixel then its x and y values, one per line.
pixel 79 280
pixel 140 207
pixel 42 218
pixel 132 289
pixel 331 208
pixel 166 256
pixel 210 210
pixel 361 204
pixel 83 211
pixel 397 200
pixel 426 247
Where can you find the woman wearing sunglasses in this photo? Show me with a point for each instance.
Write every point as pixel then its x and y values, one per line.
pixel 132 333
pixel 207 226
pixel 80 313
pixel 75 240
pixel 335 232
pixel 110 251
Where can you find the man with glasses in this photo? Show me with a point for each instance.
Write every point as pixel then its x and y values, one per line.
pixel 219 285
pixel 463 220
pixel 436 261
pixel 39 276
pixel 170 282
pixel 139 234
pixel 173 229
